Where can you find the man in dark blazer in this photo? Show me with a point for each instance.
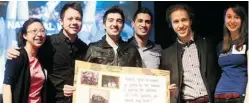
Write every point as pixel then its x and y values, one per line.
pixel 191 60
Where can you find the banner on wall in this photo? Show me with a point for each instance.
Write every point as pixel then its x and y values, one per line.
pixel 14 13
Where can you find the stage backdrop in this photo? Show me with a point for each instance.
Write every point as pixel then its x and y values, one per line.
pixel 14 13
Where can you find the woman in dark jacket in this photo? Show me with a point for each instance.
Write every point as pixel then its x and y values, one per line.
pixel 24 76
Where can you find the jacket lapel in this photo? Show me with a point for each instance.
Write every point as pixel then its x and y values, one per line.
pixel 202 55
pixel 178 62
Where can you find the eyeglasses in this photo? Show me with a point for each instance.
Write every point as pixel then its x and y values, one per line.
pixel 35 31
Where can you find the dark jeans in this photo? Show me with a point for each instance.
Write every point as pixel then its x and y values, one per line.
pixel 231 100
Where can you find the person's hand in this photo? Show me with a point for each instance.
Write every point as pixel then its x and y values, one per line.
pixel 68 90
pixel 13 53
pixel 174 90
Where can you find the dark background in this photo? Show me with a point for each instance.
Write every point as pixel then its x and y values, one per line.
pixel 209 19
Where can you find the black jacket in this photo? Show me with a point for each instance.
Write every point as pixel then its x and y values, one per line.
pixel 19 72
pixel 209 68
pixel 102 53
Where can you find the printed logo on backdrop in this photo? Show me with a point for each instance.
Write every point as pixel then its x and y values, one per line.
pixel 14 13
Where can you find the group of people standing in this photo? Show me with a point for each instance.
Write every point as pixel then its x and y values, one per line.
pixel 42 70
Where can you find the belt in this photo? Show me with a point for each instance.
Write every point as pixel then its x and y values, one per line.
pixel 203 99
pixel 227 95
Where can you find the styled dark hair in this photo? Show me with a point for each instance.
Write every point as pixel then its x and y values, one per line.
pixel 74 5
pixel 143 10
pixel 114 9
pixel 23 31
pixel 227 40
pixel 175 7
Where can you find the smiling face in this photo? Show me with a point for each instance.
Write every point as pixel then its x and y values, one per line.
pixel 181 23
pixel 71 22
pixel 142 24
pixel 232 21
pixel 36 35
pixel 113 24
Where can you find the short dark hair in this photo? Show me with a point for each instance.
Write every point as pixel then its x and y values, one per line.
pixel 175 7
pixel 114 9
pixel 23 30
pixel 74 5
pixel 143 10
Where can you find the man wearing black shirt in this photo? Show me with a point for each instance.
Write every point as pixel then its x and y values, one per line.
pixel 60 51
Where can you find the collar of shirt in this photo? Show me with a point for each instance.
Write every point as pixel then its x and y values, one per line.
pixel 186 44
pixel 66 39
pixel 148 46
pixel 110 41
pixel 105 44
pixel 74 46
